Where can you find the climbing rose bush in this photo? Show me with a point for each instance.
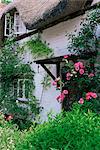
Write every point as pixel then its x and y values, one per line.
pixel 78 82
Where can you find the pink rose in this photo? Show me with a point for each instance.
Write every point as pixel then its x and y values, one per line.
pixel 61 97
pixel 76 65
pixel 81 65
pixel 81 71
pixel 91 75
pixel 90 95
pixel 54 83
pixel 65 92
pixel 66 56
pixel 68 76
pixel 81 101
pixel 94 95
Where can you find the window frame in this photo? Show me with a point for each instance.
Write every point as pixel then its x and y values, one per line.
pixel 17 90
pixel 11 21
pixel 11 25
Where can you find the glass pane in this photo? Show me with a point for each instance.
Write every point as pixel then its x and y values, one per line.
pixel 7 31
pixel 27 88
pixel 21 89
pixel 15 88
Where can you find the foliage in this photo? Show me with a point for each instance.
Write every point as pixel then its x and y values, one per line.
pixel 11 69
pixel 46 82
pixel 8 134
pixel 69 130
pixel 80 76
pixel 6 1
pixel 85 42
pixel 79 82
pixel 38 48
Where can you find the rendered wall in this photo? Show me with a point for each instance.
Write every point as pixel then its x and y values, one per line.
pixel 58 41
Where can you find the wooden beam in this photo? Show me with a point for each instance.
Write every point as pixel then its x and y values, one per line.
pixel 53 60
pixel 58 69
pixel 58 72
pixel 48 71
pixel 23 36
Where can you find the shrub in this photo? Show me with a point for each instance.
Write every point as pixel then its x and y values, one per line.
pixel 69 130
pixel 11 71
pixel 8 134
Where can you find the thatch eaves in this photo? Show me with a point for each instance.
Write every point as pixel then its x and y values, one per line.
pixel 39 13
pixel 2 6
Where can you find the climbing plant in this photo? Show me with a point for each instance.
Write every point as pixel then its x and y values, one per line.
pixel 85 42
pixel 80 77
pixel 12 69
pixel 38 48
pixel 6 1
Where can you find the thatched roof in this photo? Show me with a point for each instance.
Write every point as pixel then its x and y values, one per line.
pixel 38 13
pixel 2 7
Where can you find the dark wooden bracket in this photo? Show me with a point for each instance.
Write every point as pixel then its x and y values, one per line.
pixel 48 71
pixel 58 69
pixel 58 72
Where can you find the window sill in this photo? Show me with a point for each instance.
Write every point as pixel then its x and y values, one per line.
pixel 23 99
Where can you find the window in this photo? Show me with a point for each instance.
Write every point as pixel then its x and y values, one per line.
pixel 9 24
pixel 22 89
pixel 14 24
pixel 19 27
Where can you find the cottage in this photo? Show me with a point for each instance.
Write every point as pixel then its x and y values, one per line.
pixel 51 20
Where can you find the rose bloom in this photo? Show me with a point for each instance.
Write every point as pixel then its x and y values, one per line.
pixel 81 101
pixel 81 71
pixel 76 65
pixel 54 83
pixel 61 97
pixel 68 76
pixel 91 75
pixel 65 92
pixel 94 95
pixel 66 56
pixel 8 117
pixel 81 65
pixel 90 95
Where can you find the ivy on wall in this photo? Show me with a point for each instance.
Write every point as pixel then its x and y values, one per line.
pixel 86 42
pixel 12 69
pixel 38 48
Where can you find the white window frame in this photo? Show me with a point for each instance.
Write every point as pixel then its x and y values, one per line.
pixel 13 25
pixel 23 98
pixel 10 26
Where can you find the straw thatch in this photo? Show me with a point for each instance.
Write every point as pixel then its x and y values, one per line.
pixel 2 7
pixel 38 13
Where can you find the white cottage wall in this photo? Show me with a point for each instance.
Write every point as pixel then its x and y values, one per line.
pixel 57 36
pixel 58 41
pixel 95 1
pixel 47 98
